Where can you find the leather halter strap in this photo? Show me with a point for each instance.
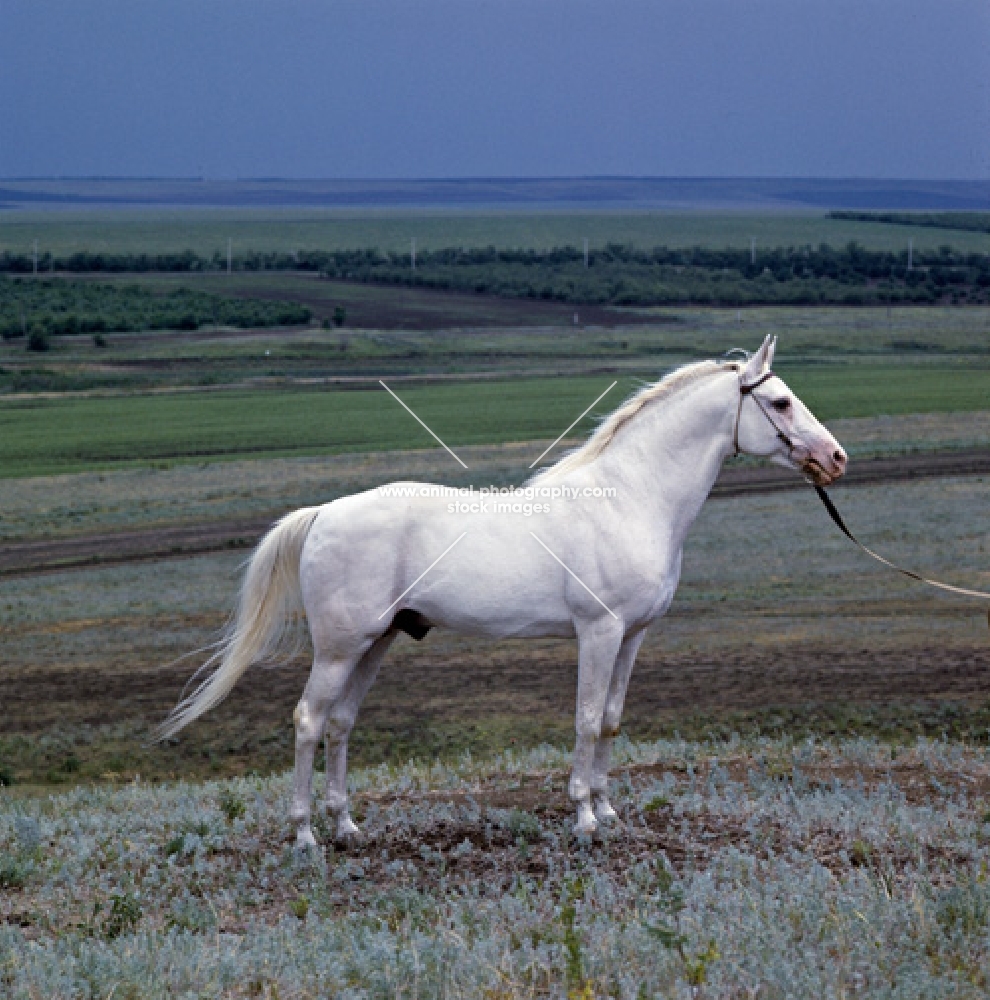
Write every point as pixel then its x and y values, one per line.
pixel 746 389
pixel 765 377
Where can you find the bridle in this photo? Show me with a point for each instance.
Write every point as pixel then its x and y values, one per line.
pixel 747 390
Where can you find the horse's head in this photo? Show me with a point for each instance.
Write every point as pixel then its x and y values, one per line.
pixel 773 423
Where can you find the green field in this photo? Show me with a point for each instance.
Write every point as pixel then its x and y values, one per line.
pixel 43 436
pixel 72 434
pixel 207 230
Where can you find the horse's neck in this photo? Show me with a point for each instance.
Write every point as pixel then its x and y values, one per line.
pixel 668 458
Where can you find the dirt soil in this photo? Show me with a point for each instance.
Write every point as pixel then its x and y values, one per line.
pixel 428 698
pixel 20 558
pixel 506 679
pixel 385 307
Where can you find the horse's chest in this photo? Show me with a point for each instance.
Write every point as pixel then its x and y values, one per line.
pixel 663 599
pixel 654 584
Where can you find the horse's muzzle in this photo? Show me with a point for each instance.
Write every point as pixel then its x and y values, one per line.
pixel 819 475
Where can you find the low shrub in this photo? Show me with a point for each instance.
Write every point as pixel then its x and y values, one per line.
pixel 38 339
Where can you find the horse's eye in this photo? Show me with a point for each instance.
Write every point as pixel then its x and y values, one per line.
pixel 781 405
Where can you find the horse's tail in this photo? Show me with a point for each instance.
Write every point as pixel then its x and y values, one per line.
pixel 269 596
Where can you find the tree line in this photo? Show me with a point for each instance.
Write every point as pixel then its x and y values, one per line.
pixel 971 222
pixel 45 308
pixel 615 274
pixel 624 276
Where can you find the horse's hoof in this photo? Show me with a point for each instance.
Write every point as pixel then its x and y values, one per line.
pixel 586 825
pixel 604 812
pixel 348 833
pixel 585 829
pixel 305 840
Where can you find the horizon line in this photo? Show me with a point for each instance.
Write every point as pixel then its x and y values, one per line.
pixel 499 178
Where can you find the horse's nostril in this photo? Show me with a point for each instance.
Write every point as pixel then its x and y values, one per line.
pixel 839 456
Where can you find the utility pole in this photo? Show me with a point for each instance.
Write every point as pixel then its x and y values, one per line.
pixel 36 258
pixel 228 255
pixel 412 255
pixel 752 249
pixel 910 254
pixel 586 253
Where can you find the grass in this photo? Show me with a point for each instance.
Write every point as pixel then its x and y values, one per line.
pixel 739 868
pixel 867 390
pixel 288 230
pixel 41 437
pixel 167 493
pixel 79 433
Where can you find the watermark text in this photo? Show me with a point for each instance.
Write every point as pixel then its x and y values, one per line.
pixel 525 500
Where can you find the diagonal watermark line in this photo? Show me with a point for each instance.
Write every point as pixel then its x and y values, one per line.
pixel 576 577
pixel 427 429
pixel 579 419
pixel 421 575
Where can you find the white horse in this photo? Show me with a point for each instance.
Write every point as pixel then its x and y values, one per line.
pixel 600 562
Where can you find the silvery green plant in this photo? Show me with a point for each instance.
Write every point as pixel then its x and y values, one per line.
pixel 769 869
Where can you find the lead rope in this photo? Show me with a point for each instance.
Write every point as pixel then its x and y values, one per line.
pixel 745 390
pixel 841 525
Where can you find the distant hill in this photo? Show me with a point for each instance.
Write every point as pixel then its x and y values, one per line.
pixel 508 193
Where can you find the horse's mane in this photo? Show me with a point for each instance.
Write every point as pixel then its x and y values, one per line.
pixel 653 392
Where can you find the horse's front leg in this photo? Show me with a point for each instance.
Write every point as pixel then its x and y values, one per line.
pixel 611 720
pixel 599 642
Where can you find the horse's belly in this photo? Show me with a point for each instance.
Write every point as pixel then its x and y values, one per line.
pixel 495 614
pixel 494 628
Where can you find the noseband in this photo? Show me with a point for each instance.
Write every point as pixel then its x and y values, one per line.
pixel 746 390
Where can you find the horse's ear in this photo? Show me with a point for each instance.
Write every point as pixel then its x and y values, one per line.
pixel 760 361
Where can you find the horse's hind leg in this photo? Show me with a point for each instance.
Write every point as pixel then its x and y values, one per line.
pixel 339 725
pixel 610 724
pixel 327 683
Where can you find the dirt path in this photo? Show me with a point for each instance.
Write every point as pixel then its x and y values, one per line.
pixel 508 679
pixel 448 697
pixel 21 558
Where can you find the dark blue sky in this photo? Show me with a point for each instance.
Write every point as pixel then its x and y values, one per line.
pixel 445 88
